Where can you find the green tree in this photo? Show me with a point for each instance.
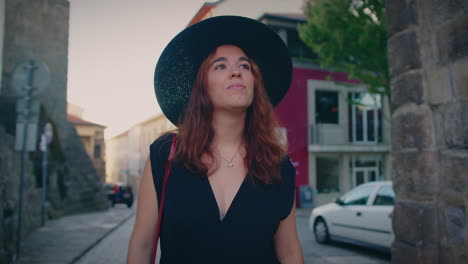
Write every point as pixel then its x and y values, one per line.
pixel 350 36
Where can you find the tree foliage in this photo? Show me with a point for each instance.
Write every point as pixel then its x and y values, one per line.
pixel 350 36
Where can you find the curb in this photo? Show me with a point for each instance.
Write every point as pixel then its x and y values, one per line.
pixel 101 238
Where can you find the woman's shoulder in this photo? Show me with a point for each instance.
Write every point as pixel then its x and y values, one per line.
pixel 163 140
pixel 161 146
pixel 288 175
pixel 287 168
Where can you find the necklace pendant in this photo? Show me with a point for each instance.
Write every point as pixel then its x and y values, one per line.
pixel 230 165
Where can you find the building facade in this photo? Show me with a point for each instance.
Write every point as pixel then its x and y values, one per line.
pixel 338 134
pixel 92 136
pixel 127 153
pixel 117 158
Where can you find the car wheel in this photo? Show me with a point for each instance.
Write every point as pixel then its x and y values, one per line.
pixel 321 231
pixel 129 205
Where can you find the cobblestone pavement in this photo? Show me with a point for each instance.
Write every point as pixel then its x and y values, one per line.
pixel 65 240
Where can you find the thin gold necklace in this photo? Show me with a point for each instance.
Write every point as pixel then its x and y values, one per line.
pixel 229 162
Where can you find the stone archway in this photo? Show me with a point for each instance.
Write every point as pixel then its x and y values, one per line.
pixel 428 55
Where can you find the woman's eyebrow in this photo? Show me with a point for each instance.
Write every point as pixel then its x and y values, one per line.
pixel 244 59
pixel 225 59
pixel 219 59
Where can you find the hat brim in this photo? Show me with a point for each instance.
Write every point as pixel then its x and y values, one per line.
pixel 178 64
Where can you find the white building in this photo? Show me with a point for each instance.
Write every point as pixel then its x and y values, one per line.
pixel 127 153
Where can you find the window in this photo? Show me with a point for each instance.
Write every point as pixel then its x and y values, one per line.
pixel 365 117
pixel 385 196
pixel 326 107
pixel 358 196
pixel 297 48
pixel 327 174
pixel 97 151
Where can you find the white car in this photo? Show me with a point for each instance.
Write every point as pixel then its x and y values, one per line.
pixel 362 216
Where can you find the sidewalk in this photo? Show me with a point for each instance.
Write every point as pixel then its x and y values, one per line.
pixel 303 212
pixel 64 240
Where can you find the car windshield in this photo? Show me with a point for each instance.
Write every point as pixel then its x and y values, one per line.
pixel 358 196
pixel 385 196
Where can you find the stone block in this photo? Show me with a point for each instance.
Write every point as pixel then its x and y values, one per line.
pixel 452 40
pixel 412 128
pixel 401 14
pixel 416 175
pixel 416 224
pixel 408 88
pixel 460 78
pixel 454 255
pixel 451 125
pixel 453 224
pixel 454 164
pixel 403 53
pixel 438 87
pixel 402 253
pixel 445 10
pixel 447 255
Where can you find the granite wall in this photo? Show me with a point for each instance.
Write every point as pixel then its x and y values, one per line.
pixel 428 53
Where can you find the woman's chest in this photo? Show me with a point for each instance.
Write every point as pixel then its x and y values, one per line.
pixel 191 205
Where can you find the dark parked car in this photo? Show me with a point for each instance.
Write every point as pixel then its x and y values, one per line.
pixel 119 193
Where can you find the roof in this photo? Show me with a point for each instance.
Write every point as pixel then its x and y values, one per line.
pixel 203 11
pixel 78 121
pixel 294 17
pixel 123 134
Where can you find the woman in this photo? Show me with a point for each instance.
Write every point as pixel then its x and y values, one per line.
pixel 230 194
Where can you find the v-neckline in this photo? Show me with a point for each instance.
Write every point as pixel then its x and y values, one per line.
pixel 213 198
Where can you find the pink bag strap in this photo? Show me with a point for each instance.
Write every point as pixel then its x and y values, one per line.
pixel 161 204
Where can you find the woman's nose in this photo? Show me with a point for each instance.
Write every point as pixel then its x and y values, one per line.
pixel 235 73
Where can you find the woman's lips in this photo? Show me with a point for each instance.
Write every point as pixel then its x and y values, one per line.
pixel 236 86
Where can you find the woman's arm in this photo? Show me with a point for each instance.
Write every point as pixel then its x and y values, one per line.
pixel 140 247
pixel 288 249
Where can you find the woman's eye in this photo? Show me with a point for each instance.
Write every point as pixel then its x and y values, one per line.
pixel 245 66
pixel 220 67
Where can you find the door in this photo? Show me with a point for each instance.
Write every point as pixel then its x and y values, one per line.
pixel 378 217
pixel 347 222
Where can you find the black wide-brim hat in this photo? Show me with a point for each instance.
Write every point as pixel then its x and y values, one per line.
pixel 178 64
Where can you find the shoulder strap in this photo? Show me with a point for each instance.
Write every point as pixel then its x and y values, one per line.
pixel 161 204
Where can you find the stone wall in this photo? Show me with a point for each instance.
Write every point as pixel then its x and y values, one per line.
pixel 10 164
pixel 39 30
pixel 428 53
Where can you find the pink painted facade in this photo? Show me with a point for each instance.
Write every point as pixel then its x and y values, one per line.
pixel 292 113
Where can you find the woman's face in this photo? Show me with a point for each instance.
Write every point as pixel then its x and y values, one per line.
pixel 230 82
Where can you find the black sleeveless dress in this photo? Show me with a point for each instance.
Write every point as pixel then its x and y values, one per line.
pixel 191 229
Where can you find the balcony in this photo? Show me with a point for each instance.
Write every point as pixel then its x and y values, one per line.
pixel 334 138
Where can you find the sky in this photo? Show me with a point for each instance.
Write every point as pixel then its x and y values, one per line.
pixel 113 49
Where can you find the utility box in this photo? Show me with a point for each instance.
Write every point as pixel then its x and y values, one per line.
pixel 306 196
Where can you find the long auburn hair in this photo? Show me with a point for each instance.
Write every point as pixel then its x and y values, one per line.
pixel 264 144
